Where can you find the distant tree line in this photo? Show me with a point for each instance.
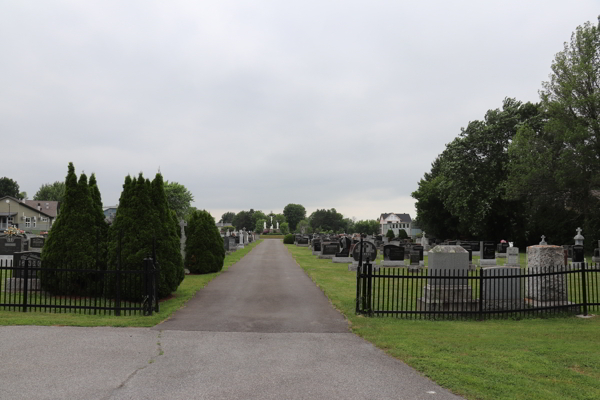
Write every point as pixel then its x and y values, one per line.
pixel 526 169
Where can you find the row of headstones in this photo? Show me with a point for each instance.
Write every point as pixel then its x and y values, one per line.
pixel 242 238
pixel 11 245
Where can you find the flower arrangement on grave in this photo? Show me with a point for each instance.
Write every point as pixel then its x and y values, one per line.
pixel 11 232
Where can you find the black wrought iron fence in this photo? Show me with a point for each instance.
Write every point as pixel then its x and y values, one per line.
pixel 72 287
pixel 482 293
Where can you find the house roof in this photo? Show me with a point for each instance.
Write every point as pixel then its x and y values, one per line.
pixel 403 217
pixel 48 207
pixel 24 204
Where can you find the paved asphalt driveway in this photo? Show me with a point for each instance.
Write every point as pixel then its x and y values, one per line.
pixel 261 330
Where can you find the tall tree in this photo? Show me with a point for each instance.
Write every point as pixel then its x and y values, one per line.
pixel 8 187
pixel 469 179
pixel 555 168
pixel 368 227
pixel 100 224
pixel 179 198
pixel 227 218
pixel 51 192
pixel 327 220
pixel 294 213
pixel 143 219
pixel 71 244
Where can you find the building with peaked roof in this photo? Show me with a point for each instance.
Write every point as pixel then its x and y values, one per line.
pixel 395 222
pixel 49 207
pixel 17 213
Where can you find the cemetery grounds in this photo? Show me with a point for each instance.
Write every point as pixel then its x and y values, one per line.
pixel 186 290
pixel 532 358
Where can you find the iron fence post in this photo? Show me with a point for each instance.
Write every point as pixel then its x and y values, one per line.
pixel 584 289
pixel 118 277
pixel 480 278
pixel 25 283
pixel 369 287
pixel 358 290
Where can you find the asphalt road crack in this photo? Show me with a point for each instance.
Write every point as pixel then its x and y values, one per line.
pixel 159 352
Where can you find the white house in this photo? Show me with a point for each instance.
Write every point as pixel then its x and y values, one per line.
pixel 395 222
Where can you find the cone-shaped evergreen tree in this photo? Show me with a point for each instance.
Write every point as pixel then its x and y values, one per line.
pixel 142 220
pixel 71 242
pixel 204 251
pixel 101 227
pixel 167 244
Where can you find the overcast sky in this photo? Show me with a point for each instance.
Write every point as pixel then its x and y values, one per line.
pixel 257 104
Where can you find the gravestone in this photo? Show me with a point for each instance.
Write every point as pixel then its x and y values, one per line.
pixel 447 288
pixel 32 259
pixel 512 257
pixel 546 289
pixel 419 250
pixel 329 250
pixel 369 251
pixel 37 243
pixel 467 247
pixel 596 257
pixel 488 254
pixel 393 256
pixel 302 241
pixel 475 248
pixel 316 246
pixel 578 256
pixel 10 246
pixel 502 287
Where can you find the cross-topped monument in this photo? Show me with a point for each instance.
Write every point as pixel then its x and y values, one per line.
pixel 543 242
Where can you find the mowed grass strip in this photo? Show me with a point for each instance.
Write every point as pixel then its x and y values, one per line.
pixel 188 288
pixel 553 358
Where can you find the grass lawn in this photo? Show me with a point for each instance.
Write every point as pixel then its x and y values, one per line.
pixel 188 288
pixel 553 358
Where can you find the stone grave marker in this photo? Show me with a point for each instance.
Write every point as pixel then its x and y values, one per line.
pixel 445 289
pixel 488 254
pixel 502 288
pixel 10 246
pixel 329 250
pixel 393 256
pixel 547 289
pixel 302 241
pixel 512 257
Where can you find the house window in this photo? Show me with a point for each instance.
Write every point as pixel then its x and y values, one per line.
pixel 27 222
pixel 44 219
pixel 34 221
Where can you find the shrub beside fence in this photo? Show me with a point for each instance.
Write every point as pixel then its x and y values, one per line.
pixel 481 294
pixel 31 286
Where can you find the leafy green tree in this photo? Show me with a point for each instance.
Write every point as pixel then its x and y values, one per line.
pixel 8 187
pixel 555 169
pixel 390 234
pixel 227 217
pixel 51 192
pixel 256 216
pixel 304 227
pixel 204 251
pixel 367 227
pixel 468 181
pixel 244 219
pixel 284 228
pixel 179 198
pixel 327 220
pixel 72 242
pixel 259 227
pixel 294 213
